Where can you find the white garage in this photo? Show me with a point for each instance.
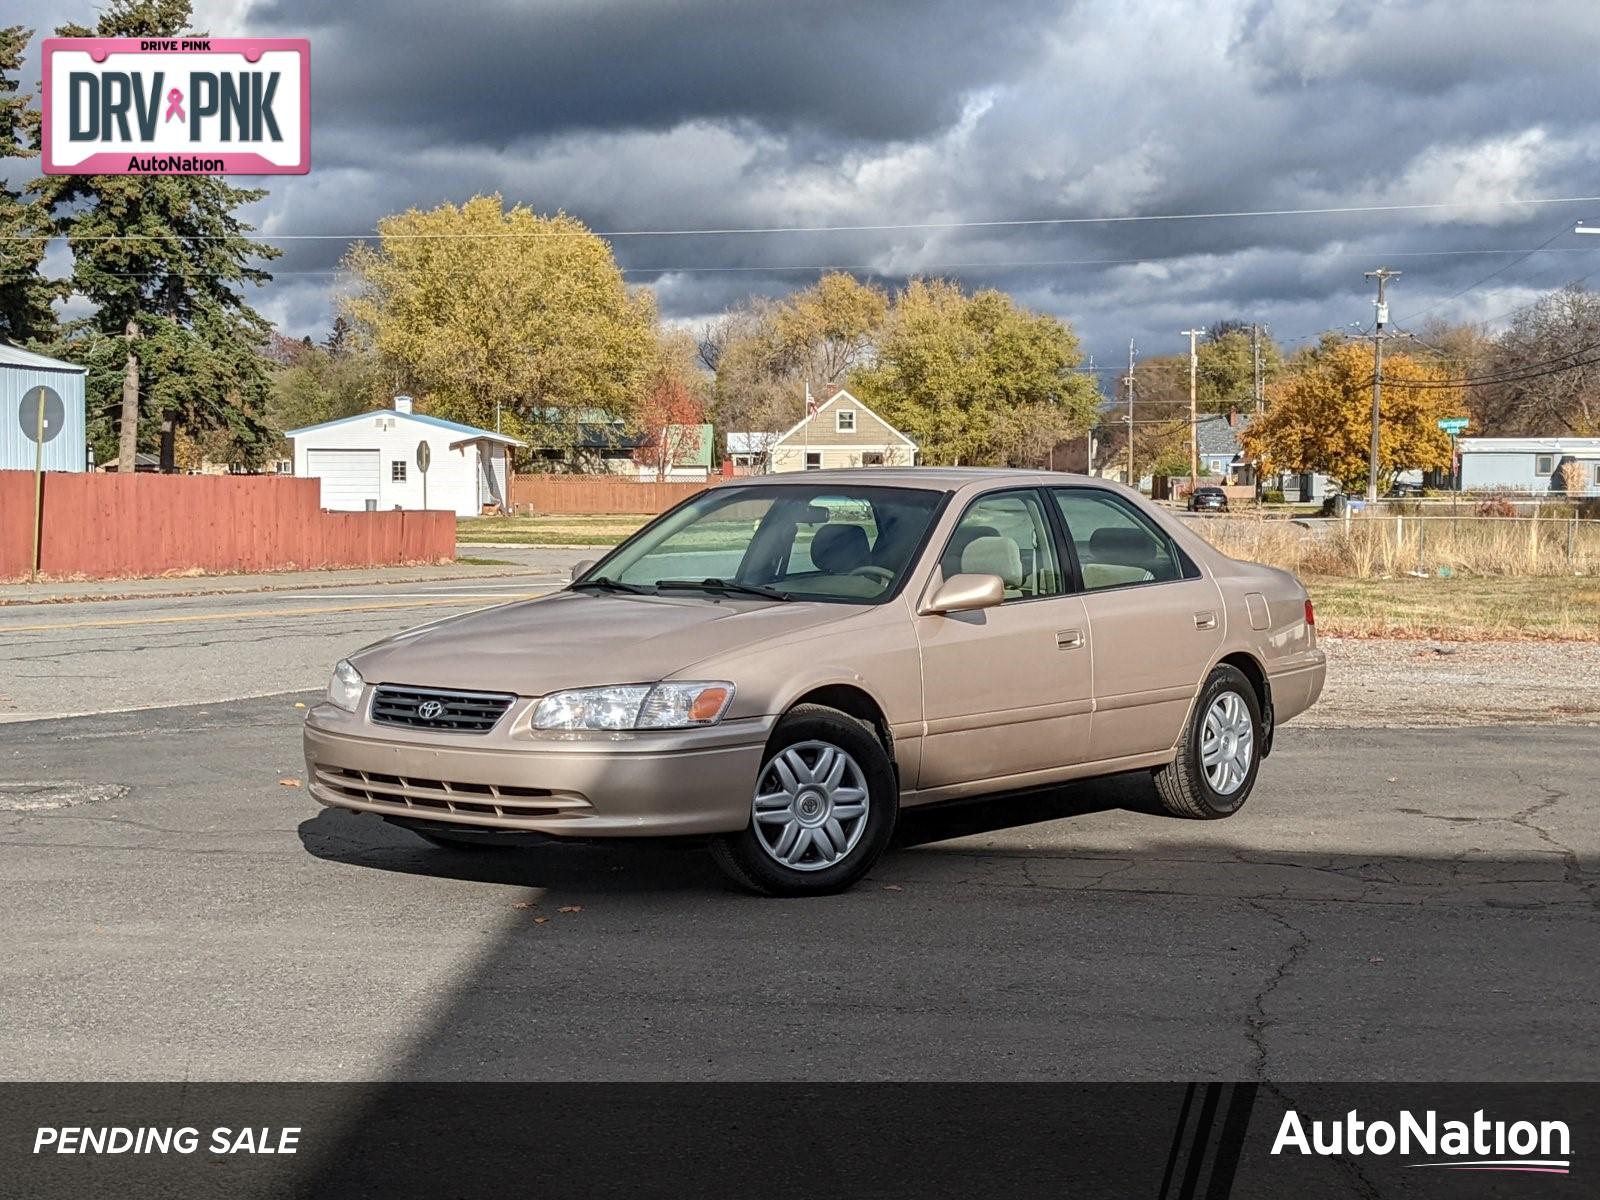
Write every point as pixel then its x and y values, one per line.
pixel 349 477
pixel 376 461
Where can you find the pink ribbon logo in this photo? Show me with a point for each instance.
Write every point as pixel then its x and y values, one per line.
pixel 175 105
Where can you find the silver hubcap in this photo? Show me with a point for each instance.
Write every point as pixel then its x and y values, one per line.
pixel 1227 742
pixel 810 807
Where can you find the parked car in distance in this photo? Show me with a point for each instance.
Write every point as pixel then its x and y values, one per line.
pixel 779 665
pixel 1208 499
pixel 1404 491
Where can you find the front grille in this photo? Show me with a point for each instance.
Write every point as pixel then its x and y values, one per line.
pixel 432 708
pixel 396 792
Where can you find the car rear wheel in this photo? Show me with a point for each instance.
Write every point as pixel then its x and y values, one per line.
pixel 822 810
pixel 1220 752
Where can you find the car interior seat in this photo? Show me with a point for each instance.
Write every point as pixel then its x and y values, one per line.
pixel 996 555
pixel 950 561
pixel 840 549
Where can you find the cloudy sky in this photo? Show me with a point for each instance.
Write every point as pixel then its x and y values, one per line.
pixel 639 115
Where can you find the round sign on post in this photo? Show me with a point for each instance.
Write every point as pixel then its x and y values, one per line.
pixel 41 415
pixel 55 414
pixel 424 457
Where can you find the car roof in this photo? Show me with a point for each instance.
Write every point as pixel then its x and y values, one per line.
pixel 941 479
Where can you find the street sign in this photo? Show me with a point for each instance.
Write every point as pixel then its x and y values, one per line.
pixel 1453 425
pixel 424 457
pixel 55 413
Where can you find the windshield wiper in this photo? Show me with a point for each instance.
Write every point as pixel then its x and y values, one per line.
pixel 601 584
pixel 722 585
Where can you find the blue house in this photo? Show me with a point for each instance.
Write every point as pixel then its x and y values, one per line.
pixel 25 377
pixel 1531 465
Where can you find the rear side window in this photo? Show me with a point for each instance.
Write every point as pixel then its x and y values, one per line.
pixel 1116 544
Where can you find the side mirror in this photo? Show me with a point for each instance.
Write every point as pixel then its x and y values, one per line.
pixel 965 593
pixel 581 568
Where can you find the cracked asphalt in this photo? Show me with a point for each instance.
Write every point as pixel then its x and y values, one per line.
pixel 1391 904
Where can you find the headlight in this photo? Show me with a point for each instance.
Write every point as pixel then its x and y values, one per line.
pixel 635 706
pixel 344 689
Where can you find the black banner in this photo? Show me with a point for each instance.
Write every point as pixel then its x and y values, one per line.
pixel 1163 1141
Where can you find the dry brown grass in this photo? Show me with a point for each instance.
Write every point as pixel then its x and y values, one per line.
pixel 1402 545
pixel 1459 609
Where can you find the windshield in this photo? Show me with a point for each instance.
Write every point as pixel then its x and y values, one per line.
pixel 850 545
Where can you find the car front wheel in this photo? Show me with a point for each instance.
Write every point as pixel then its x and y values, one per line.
pixel 1219 753
pixel 822 809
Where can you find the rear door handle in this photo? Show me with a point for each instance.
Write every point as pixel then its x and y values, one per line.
pixel 1205 620
pixel 1069 639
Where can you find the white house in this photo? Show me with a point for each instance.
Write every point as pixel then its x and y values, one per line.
pixel 843 432
pixel 1527 464
pixel 373 461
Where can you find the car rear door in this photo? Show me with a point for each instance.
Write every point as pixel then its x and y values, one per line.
pixel 1155 621
pixel 1006 690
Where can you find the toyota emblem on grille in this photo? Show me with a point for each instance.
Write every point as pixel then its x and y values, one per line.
pixel 430 710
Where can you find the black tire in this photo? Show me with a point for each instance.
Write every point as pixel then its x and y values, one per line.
pixel 1182 784
pixel 745 859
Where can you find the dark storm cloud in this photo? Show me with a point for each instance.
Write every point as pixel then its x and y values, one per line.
pixel 490 73
pixel 640 114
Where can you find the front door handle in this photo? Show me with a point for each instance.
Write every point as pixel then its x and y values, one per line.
pixel 1069 639
pixel 1205 620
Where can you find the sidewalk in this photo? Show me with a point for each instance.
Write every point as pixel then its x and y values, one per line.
pixel 519 560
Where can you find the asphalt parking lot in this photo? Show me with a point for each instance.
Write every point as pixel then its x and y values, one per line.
pixel 1402 903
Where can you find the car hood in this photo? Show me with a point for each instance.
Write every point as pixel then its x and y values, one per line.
pixel 575 639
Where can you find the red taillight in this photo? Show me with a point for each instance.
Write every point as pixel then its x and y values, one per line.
pixel 1311 613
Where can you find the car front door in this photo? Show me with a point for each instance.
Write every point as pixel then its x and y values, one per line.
pixel 1006 689
pixel 1155 621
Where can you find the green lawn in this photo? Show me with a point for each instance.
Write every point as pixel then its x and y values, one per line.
pixel 574 530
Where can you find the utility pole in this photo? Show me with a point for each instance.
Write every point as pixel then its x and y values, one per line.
pixel 1088 434
pixel 1255 366
pixel 1194 425
pixel 1382 275
pixel 1133 481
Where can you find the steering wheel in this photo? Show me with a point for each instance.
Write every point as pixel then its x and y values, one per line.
pixel 872 571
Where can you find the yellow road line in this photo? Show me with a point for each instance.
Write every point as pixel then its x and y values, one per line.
pixel 251 614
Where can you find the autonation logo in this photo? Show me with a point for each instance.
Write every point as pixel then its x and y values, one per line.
pixel 1476 1145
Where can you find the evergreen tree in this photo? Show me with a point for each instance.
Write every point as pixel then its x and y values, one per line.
pixel 163 259
pixel 25 294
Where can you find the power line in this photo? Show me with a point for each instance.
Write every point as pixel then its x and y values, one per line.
pixel 1491 275
pixel 873 268
pixel 1015 222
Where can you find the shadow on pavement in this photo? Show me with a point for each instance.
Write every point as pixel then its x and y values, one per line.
pixel 337 835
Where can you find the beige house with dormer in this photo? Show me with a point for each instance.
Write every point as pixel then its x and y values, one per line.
pixel 843 432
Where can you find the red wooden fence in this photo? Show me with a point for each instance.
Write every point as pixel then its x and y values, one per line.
pixel 596 494
pixel 105 526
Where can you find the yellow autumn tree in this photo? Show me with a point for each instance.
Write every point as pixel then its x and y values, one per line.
pixel 479 305
pixel 1319 416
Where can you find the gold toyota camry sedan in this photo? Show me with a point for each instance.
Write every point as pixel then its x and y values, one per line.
pixel 780 664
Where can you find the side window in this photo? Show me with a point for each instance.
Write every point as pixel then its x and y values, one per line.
pixel 1006 534
pixel 1116 544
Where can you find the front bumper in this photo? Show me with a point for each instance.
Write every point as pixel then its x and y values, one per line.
pixel 657 784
